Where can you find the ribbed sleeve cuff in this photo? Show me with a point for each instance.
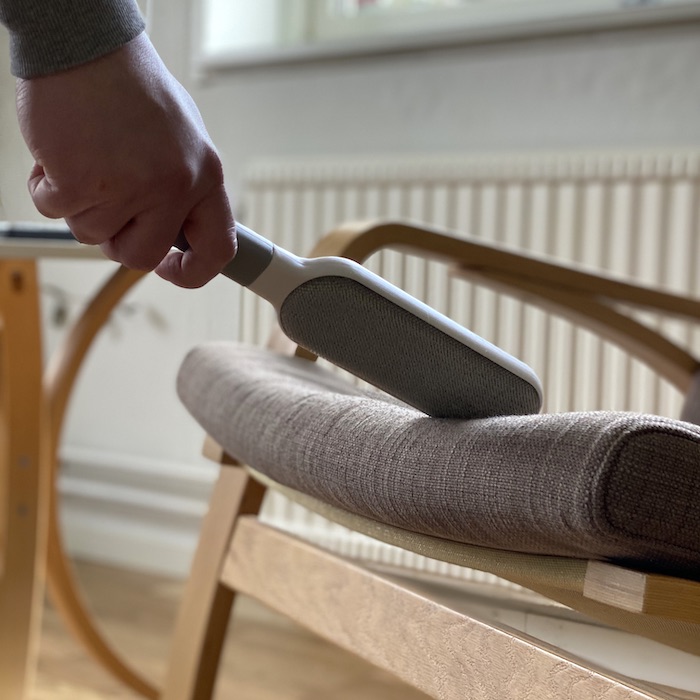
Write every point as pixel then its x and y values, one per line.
pixel 48 36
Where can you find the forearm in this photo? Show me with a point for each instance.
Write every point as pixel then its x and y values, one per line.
pixel 47 36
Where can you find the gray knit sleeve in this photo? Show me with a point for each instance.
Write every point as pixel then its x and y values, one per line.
pixel 47 36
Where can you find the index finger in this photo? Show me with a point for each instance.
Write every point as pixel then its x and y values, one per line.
pixel 210 234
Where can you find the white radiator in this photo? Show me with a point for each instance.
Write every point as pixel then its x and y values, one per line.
pixel 634 214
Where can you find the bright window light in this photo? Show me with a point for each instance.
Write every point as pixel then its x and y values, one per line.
pixel 254 31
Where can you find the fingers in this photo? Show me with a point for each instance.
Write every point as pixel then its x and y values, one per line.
pixel 211 234
pixel 99 224
pixel 145 240
pixel 50 200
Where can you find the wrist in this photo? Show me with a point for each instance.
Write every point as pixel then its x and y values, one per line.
pixel 49 37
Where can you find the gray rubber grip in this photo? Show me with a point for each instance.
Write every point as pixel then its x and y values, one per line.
pixel 253 256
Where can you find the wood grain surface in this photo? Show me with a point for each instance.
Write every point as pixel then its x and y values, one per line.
pixel 435 649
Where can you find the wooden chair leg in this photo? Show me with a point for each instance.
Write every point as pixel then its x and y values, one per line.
pixel 60 378
pixel 206 606
pixel 24 482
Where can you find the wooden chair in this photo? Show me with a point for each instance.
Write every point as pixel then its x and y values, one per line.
pixel 286 424
pixel 24 486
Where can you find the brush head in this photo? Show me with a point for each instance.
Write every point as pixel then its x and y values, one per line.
pixel 365 333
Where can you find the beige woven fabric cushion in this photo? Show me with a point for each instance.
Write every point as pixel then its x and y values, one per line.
pixel 606 485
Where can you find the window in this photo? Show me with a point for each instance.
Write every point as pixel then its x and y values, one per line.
pixel 357 18
pixel 254 31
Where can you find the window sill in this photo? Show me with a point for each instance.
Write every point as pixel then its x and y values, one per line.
pixel 383 45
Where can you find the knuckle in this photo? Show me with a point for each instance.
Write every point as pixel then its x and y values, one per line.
pixel 88 235
pixel 188 177
pixel 213 163
pixel 143 260
pixel 45 208
pixel 140 260
pixel 221 246
pixel 229 245
pixel 211 168
pixel 47 203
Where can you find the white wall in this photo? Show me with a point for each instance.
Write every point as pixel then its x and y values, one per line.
pixel 637 88
pixel 127 434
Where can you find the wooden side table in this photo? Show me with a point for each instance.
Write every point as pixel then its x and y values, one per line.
pixel 33 403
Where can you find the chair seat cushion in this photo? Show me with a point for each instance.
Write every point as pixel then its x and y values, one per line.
pixel 614 486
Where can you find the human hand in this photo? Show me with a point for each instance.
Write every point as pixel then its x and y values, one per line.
pixel 122 154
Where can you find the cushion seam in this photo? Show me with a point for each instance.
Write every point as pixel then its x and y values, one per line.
pixel 613 461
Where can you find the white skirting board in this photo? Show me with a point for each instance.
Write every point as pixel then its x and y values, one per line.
pixel 130 512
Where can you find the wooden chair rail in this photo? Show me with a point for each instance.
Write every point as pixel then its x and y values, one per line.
pixel 638 592
pixel 666 358
pixel 454 655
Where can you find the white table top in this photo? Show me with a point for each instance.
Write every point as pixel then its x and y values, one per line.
pixel 24 247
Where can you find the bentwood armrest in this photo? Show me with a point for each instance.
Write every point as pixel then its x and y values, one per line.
pixel 359 240
pixel 590 299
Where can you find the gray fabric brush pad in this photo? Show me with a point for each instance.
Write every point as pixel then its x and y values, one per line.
pixel 373 338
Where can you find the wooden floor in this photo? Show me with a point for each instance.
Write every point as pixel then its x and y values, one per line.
pixel 266 656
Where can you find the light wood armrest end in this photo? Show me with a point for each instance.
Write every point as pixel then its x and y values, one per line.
pixel 213 451
pixel 638 592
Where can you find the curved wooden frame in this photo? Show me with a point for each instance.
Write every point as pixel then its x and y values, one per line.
pixel 586 297
pixel 59 380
